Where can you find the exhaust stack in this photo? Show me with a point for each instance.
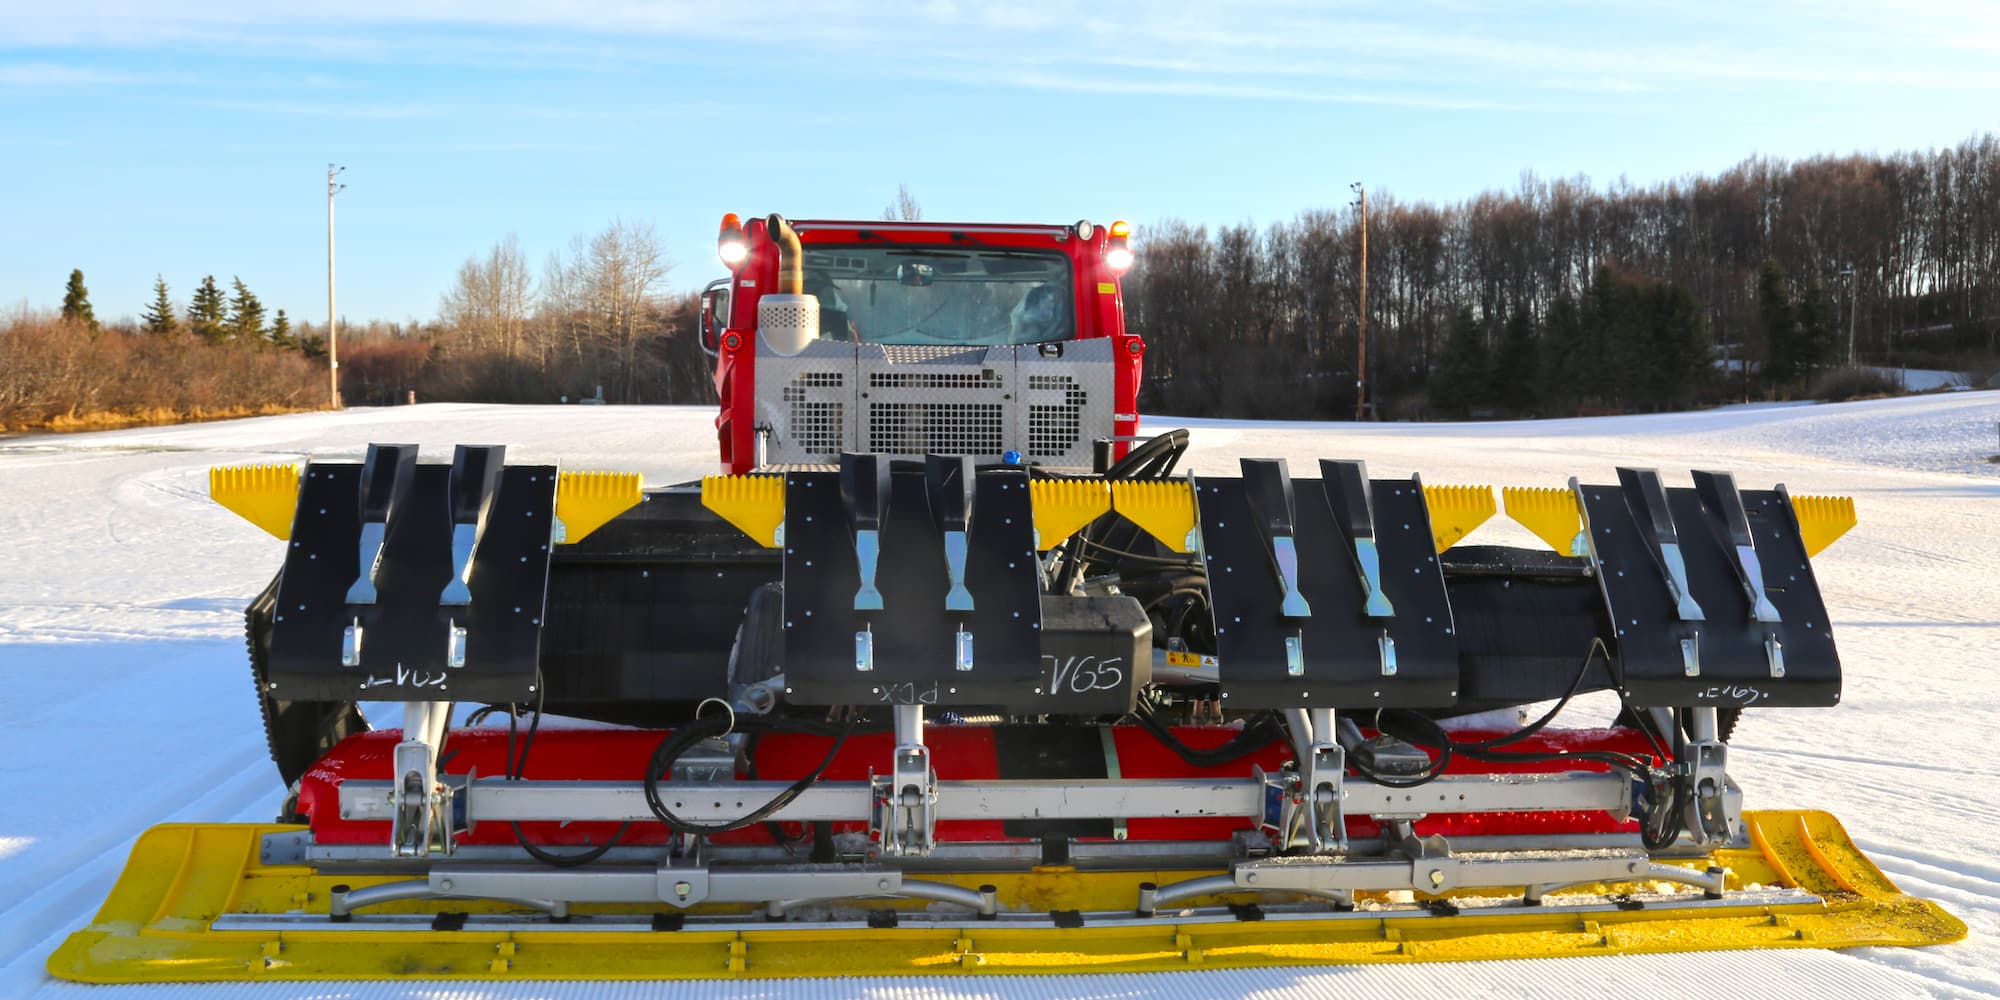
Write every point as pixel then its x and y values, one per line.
pixel 787 319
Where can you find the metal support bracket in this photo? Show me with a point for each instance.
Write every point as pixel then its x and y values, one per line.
pixel 421 812
pixel 1313 816
pixel 1713 819
pixel 904 818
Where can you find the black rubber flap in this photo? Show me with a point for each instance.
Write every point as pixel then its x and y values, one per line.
pixel 1340 645
pixel 914 637
pixel 1733 663
pixel 405 631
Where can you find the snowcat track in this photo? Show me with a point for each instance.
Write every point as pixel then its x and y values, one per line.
pixel 160 923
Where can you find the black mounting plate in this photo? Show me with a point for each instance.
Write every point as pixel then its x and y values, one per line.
pixel 914 636
pixel 1340 645
pixel 405 631
pixel 1734 667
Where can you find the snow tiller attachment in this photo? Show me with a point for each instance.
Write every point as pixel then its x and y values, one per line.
pixel 930 715
pixel 955 674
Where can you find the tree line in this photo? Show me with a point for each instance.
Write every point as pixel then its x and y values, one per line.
pixel 594 322
pixel 1560 297
pixel 223 356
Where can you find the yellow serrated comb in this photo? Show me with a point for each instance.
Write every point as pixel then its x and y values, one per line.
pixel 754 504
pixel 586 500
pixel 1164 508
pixel 1456 510
pixel 1064 506
pixel 1551 513
pixel 1822 520
pixel 264 495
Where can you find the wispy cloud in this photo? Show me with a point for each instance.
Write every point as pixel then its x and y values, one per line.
pixel 1417 53
pixel 58 75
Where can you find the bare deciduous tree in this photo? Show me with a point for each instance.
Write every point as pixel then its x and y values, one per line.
pixel 904 208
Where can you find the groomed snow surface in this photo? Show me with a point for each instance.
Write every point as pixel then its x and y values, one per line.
pixel 125 702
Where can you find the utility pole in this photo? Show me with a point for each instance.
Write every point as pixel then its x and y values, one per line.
pixel 332 332
pixel 1361 341
pixel 1853 283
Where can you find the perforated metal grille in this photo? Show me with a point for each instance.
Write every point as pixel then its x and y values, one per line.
pixel 936 428
pixel 816 426
pixel 921 354
pixel 934 380
pixel 1055 428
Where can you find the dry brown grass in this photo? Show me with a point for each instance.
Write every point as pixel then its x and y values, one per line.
pixel 60 376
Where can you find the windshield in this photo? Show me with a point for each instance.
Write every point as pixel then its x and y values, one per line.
pixel 923 295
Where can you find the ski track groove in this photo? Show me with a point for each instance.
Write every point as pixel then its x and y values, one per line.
pixel 76 882
pixel 1838 758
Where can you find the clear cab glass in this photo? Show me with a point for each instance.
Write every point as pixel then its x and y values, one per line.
pixel 970 297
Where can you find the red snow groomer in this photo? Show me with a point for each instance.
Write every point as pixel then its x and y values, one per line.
pixel 955 673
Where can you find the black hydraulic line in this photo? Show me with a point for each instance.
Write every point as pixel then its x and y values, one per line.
pixel 680 740
pixel 1261 731
pixel 1421 729
pixel 515 771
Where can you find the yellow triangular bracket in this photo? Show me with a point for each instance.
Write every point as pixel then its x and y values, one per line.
pixel 1456 510
pixel 754 504
pixel 586 500
pixel 264 495
pixel 1551 513
pixel 1163 507
pixel 1064 506
pixel 1822 520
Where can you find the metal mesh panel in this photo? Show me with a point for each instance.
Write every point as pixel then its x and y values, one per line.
pixel 934 380
pixel 918 428
pixel 817 425
pixel 1055 428
pixel 923 354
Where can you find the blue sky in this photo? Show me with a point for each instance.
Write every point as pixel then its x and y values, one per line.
pixel 144 136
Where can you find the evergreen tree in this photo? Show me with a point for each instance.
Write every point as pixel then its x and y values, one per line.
pixel 1517 370
pixel 1607 339
pixel 1819 329
pixel 76 303
pixel 159 317
pixel 1464 374
pixel 281 331
pixel 246 314
pixel 207 311
pixel 1563 360
pixel 1780 326
pixel 1680 349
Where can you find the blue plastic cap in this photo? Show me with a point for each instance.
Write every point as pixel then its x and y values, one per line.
pixel 1011 457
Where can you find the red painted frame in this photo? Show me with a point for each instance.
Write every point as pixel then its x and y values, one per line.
pixel 958 752
pixel 1100 310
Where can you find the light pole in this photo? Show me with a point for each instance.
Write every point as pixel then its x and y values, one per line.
pixel 1852 284
pixel 1361 341
pixel 333 187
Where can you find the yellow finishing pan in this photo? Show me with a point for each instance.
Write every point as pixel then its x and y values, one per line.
pixel 157 924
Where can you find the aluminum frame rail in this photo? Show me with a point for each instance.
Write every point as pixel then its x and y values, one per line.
pixel 498 800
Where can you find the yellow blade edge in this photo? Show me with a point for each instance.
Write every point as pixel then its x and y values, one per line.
pixel 1163 508
pixel 754 504
pixel 585 501
pixel 1064 506
pixel 1456 510
pixel 1549 512
pixel 157 924
pixel 1822 520
pixel 264 495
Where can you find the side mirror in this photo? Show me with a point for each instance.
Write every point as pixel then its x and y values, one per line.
pixel 714 315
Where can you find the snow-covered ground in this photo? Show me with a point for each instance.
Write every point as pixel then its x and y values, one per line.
pixel 126 702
